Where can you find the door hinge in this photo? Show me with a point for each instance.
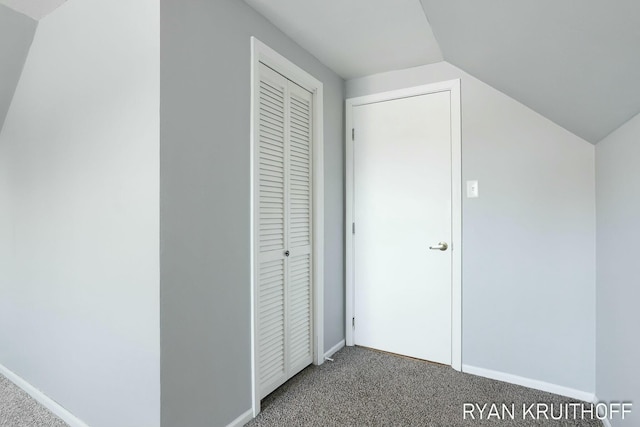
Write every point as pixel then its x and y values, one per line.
pixel 353 228
pixel 353 322
pixel 353 134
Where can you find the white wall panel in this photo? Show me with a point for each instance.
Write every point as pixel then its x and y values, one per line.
pixel 79 316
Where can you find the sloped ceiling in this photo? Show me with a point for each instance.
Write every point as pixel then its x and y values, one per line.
pixel 356 38
pixel 16 35
pixel 577 62
pixel 36 9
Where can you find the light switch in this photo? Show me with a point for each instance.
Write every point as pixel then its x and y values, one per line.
pixel 472 189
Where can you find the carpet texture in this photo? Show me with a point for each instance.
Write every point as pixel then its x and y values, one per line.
pixel 18 409
pixel 364 387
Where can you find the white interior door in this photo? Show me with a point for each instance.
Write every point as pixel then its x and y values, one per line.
pixel 284 295
pixel 402 206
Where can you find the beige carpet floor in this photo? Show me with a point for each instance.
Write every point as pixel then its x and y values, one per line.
pixel 363 387
pixel 18 409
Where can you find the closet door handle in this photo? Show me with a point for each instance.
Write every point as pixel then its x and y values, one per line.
pixel 286 253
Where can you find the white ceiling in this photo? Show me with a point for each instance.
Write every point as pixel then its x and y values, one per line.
pixel 16 35
pixel 36 9
pixel 356 38
pixel 576 62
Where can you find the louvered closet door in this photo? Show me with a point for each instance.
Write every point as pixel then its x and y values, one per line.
pixel 299 225
pixel 284 297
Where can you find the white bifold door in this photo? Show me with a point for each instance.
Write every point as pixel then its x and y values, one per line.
pixel 284 297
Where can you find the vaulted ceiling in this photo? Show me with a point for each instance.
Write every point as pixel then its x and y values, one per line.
pixel 577 62
pixel 16 35
pixel 35 9
pixel 18 22
pixel 356 37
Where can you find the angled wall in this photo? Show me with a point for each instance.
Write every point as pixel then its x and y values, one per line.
pixel 204 213
pixel 16 35
pixel 79 216
pixel 528 248
pixel 618 286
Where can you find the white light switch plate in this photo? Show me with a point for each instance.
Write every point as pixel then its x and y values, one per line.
pixel 472 189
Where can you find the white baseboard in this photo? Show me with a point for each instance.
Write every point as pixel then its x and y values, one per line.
pixel 605 421
pixel 42 398
pixel 531 383
pixel 333 350
pixel 242 419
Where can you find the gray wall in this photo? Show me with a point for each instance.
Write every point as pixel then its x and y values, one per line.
pixel 528 240
pixel 618 286
pixel 79 214
pixel 16 35
pixel 204 211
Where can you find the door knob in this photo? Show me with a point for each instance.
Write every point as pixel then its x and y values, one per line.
pixel 286 253
pixel 442 246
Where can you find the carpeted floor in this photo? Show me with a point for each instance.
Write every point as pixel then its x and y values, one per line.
pixel 18 409
pixel 361 387
pixel 364 387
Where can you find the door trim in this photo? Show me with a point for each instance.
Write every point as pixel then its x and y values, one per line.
pixel 452 86
pixel 263 53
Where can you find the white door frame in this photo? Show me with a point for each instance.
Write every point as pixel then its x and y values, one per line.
pixel 452 86
pixel 263 53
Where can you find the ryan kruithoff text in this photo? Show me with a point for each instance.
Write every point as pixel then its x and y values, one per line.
pixel 546 411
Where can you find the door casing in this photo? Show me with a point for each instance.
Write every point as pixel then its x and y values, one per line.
pixel 261 53
pixel 453 87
